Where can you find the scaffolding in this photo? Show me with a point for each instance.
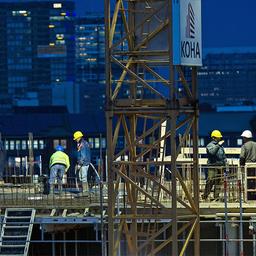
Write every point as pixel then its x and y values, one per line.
pixel 149 101
pixel 230 221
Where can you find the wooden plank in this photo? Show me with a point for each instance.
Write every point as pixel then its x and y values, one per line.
pixel 202 150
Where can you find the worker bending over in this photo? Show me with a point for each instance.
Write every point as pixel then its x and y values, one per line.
pixel 59 164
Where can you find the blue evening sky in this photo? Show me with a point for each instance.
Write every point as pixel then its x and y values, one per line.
pixel 226 23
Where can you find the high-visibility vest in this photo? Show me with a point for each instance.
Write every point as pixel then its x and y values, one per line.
pixel 59 157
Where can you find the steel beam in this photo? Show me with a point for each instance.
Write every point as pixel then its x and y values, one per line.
pixel 149 101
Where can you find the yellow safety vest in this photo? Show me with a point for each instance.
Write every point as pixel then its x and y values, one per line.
pixel 59 157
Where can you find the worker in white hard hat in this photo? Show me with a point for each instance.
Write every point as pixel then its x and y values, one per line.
pixel 83 160
pixel 248 149
pixel 216 161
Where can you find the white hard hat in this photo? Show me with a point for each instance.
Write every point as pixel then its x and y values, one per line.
pixel 251 227
pixel 247 134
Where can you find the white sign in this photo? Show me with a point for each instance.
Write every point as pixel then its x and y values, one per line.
pixel 187 39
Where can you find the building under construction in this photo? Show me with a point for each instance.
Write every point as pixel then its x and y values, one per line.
pixel 69 223
pixel 150 202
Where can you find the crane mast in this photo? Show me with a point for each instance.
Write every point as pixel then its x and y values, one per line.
pixel 149 101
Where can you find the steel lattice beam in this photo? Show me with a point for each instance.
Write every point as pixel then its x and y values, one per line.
pixel 148 102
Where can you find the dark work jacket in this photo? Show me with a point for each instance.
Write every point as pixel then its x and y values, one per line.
pixel 83 153
pixel 248 152
pixel 216 154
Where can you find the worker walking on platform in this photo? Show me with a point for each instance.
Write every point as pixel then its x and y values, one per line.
pixel 59 164
pixel 248 149
pixel 83 160
pixel 216 161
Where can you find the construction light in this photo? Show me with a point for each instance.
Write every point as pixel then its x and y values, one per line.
pixel 57 5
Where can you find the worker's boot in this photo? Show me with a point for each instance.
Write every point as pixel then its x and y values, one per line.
pixel 85 188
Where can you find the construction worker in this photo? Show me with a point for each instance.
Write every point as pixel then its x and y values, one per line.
pixel 248 149
pixel 216 160
pixel 59 164
pixel 83 160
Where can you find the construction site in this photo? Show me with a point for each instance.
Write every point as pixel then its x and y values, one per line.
pixel 149 199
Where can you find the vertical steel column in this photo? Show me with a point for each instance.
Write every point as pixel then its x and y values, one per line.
pixel 76 243
pixel 241 243
pixel 64 244
pixel 31 155
pixel 53 244
pixel 42 231
pixel 195 161
pixel 132 119
pixel 174 186
pixel 109 132
pixel 173 116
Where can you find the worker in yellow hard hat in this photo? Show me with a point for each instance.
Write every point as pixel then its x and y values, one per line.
pixel 77 135
pixel 83 160
pixel 216 161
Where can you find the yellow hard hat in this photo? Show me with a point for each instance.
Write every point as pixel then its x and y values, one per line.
pixel 77 135
pixel 216 134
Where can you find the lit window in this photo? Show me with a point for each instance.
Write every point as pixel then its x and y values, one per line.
pixel 239 142
pixel 23 144
pixel 97 142
pixel 41 144
pixel 17 146
pixel 103 142
pixel 57 5
pixel 60 36
pixel 201 142
pixel 90 140
pixel 6 145
pixel 11 144
pixel 55 143
pixel 63 143
pixel 35 144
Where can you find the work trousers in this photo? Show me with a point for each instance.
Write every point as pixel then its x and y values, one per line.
pixel 56 173
pixel 214 179
pixel 83 173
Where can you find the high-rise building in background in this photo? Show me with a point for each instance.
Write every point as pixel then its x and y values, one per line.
pixel 90 61
pixel 228 77
pixel 37 52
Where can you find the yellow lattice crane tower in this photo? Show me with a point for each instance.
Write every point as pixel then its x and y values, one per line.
pixel 152 50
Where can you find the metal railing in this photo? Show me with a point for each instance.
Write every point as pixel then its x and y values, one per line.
pixel 37 194
pixel 234 184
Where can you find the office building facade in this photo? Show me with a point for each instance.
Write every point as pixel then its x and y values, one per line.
pixel 37 51
pixel 90 61
pixel 228 77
